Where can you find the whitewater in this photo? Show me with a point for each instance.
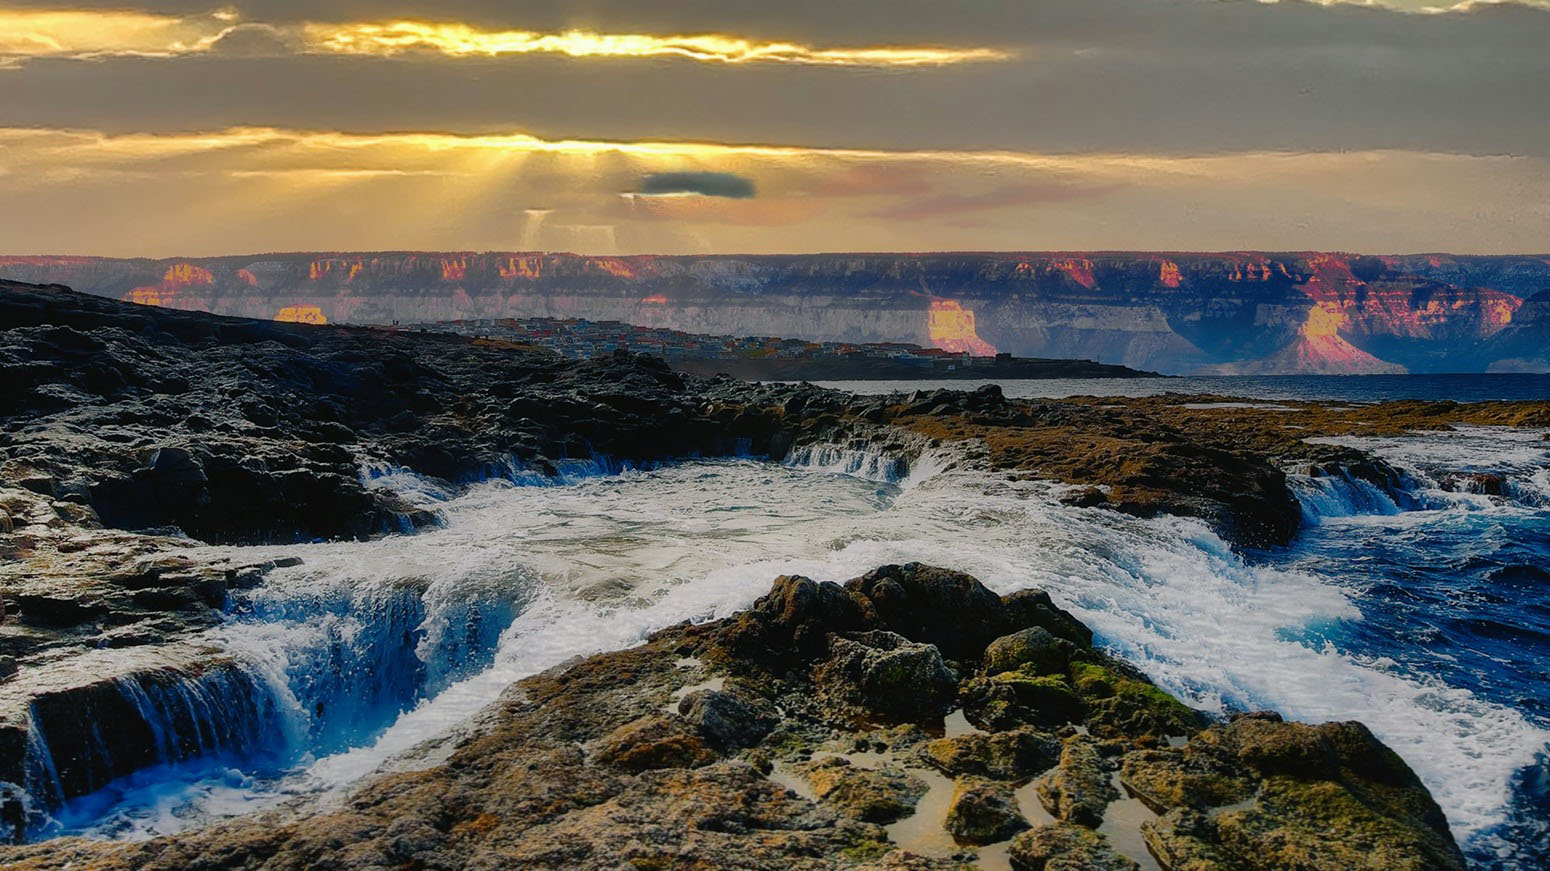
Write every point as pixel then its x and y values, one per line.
pixel 380 654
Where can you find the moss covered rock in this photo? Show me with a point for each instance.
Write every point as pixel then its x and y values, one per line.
pixel 1122 704
pixel 1034 647
pixel 1323 798
pixel 874 795
pixel 1064 847
pixel 885 676
pixel 1013 755
pixel 1013 699
pixel 1080 788
pixel 983 812
pixel 653 741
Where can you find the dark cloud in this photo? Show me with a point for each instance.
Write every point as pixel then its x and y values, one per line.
pixel 710 184
pixel 1154 102
pixel 1149 76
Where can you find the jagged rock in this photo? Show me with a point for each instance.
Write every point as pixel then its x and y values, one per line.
pixel 950 610
pixel 1323 797
pixel 1079 789
pixel 1202 774
pixel 1484 483
pixel 983 812
pixel 578 768
pixel 1012 755
pixel 1020 698
pixel 886 675
pixel 61 609
pixel 1026 608
pixel 1065 847
pixel 729 720
pixel 1034 647
pixel 795 617
pixel 1121 702
pixel 879 795
pixel 651 742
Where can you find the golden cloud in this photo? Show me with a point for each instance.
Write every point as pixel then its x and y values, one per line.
pixel 26 33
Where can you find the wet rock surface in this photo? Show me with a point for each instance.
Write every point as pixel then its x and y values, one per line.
pixel 584 766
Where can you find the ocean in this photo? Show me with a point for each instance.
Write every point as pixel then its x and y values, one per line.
pixel 1421 611
pixel 1345 388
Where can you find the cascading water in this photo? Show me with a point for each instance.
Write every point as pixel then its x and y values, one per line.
pixel 1455 590
pixel 862 462
pixel 319 659
pixel 523 578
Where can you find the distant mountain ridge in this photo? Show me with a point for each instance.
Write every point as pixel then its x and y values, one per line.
pixel 1239 312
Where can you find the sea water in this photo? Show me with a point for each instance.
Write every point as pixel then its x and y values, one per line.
pixel 1346 388
pixel 1424 613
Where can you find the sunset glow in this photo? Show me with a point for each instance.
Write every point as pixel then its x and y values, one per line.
pixel 397 37
pixel 43 33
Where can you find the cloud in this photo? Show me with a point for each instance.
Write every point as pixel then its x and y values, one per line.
pixel 1164 76
pixel 225 192
pixel 85 33
pixel 710 184
pixel 251 40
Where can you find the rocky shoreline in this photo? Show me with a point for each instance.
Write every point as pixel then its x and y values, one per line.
pixel 134 431
pixel 909 719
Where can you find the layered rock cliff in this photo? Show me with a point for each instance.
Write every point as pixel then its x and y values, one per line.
pixel 1227 313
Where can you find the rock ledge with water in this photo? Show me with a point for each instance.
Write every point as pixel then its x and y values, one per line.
pixel 715 746
pixel 131 434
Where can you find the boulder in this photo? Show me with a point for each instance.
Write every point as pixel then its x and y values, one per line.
pixel 1064 847
pixel 873 795
pixel 1199 775
pixel 1079 789
pixel 948 609
pixel 791 624
pixel 729 720
pixel 1012 755
pixel 886 676
pixel 983 812
pixel 1121 702
pixel 1323 797
pixel 1034 647
pixel 1020 698
pixel 1035 608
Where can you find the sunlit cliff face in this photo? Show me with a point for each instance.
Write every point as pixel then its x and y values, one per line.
pixel 951 327
pixel 301 314
pixel 170 293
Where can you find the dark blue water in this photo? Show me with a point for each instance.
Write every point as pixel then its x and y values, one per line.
pixel 1347 388
pixel 1454 588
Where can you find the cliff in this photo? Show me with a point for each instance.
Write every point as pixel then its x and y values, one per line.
pixel 1239 312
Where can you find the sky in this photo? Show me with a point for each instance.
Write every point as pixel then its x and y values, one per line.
pixel 174 127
